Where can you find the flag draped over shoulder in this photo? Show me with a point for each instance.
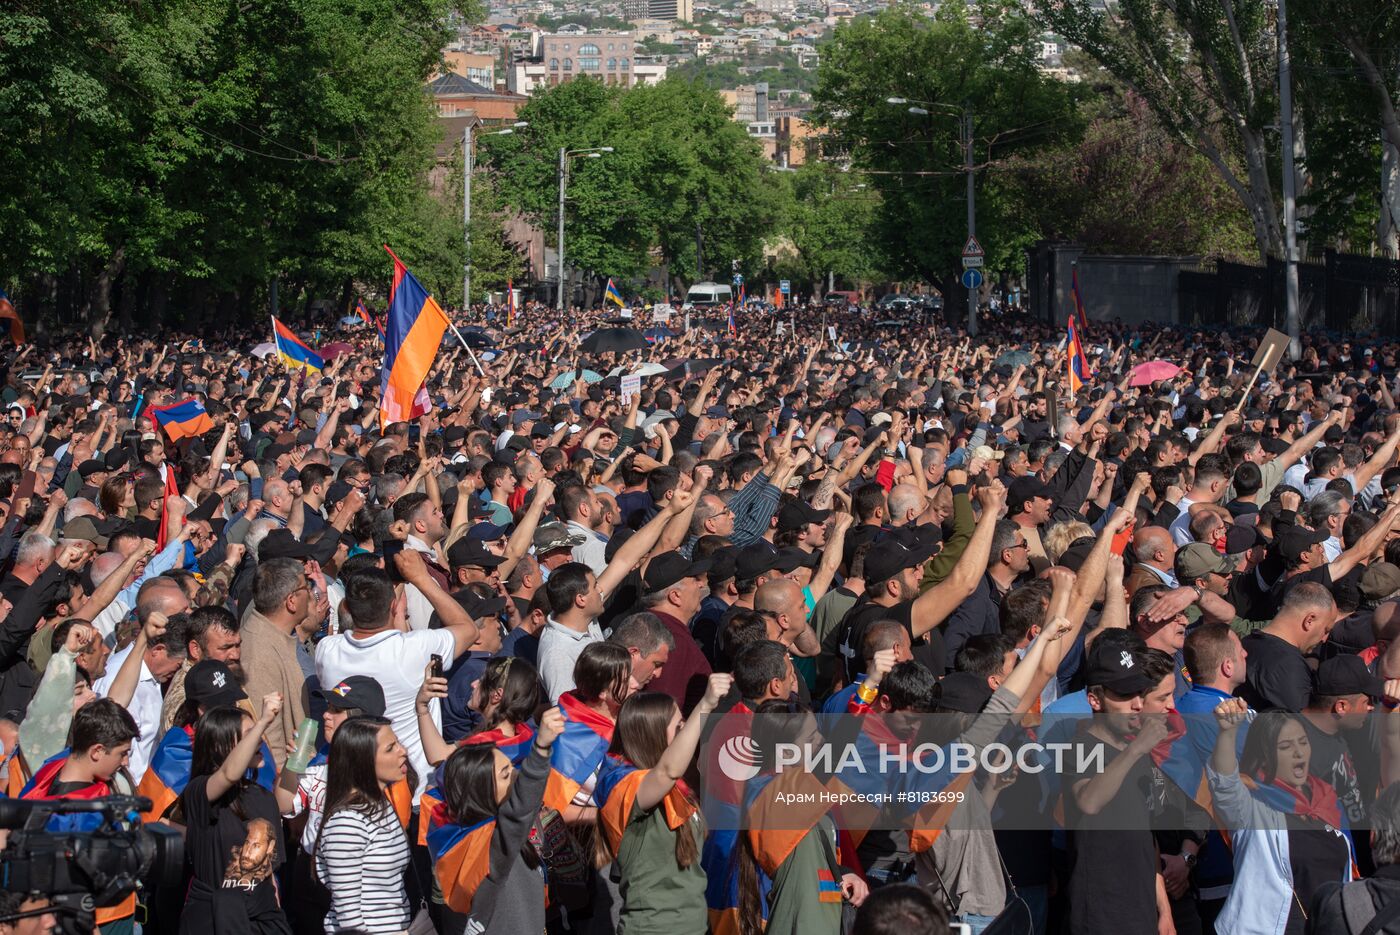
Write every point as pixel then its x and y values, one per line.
pixel 295 353
pixel 411 340
pixel 184 419
pixel 577 753
pixel 8 313
pixel 612 295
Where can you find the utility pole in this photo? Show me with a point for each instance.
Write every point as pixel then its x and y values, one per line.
pixel 971 214
pixel 1292 319
pixel 563 174
pixel 467 216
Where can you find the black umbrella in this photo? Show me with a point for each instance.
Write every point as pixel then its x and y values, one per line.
pixel 478 339
pixel 616 340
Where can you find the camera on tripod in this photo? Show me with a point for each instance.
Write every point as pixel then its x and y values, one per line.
pixel 111 857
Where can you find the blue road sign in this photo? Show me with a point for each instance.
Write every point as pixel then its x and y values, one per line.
pixel 785 287
pixel 971 278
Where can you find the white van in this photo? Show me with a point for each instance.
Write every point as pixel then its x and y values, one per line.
pixel 708 295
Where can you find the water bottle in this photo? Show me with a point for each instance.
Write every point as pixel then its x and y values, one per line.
pixel 305 746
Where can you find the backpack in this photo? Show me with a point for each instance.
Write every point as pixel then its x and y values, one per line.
pixel 1359 910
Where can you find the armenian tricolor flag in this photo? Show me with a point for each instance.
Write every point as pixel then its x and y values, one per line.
pixel 616 791
pixel 612 295
pixel 577 753
pixel 411 340
pixel 41 787
pixel 461 857
pixel 185 419
pixel 7 312
pixel 169 772
pixel 778 299
pixel 365 315
pixel 733 331
pixel 295 352
pixel 516 748
pixel 1079 369
pixel 1078 299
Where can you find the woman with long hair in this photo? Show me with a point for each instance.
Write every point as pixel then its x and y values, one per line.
pixel 1287 830
pixel 233 828
pixel 118 495
pixel 602 680
pixel 480 835
pixel 361 848
pixel 649 821
pixel 507 695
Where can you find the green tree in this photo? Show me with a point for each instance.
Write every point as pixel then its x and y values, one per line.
pixel 1207 69
pixel 916 161
pixel 829 226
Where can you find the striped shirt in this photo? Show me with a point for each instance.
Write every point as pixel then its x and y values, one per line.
pixel 361 859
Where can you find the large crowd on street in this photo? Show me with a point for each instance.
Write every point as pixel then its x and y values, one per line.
pixel 461 672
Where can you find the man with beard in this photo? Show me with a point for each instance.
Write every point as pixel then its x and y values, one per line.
pixel 213 634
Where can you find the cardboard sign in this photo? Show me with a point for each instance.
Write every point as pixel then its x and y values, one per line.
pixel 831 332
pixel 661 314
pixel 630 385
pixel 1271 351
pixel 625 313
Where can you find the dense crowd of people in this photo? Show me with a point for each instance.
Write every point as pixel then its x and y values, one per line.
pixel 460 674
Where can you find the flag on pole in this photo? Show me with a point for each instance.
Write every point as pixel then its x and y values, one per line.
pixel 743 295
pixel 364 314
pixel 1079 371
pixel 778 299
pixel 414 333
pixel 510 303
pixel 184 419
pixel 1078 300
pixel 612 295
pixel 733 331
pixel 7 312
pixel 295 353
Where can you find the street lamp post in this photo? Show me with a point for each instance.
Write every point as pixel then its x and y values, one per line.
pixel 467 204
pixel 1292 318
pixel 564 154
pixel 965 126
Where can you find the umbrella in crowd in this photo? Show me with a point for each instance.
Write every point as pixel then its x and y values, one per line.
pixel 335 349
pixel 262 350
pixel 1014 359
pixel 1152 371
pixel 614 340
pixel 567 378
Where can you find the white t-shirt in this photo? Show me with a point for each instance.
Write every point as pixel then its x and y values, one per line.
pixel 395 660
pixel 311 798
pixel 145 708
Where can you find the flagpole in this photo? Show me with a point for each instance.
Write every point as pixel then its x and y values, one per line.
pixel 465 344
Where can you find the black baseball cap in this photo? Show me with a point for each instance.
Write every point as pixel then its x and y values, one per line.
pixel 1293 541
pixel 964 692
pixel 890 556
pixel 472 552
pixel 478 607
pixel 91 467
pixel 280 543
pixel 1023 489
pixel 791 559
pixel 795 514
pixel 355 691
pixel 753 560
pixel 1347 674
pixel 722 566
pixel 210 683
pixel 670 567
pixel 1240 538
pixel 1116 668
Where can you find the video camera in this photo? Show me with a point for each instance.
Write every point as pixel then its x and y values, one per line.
pixel 83 870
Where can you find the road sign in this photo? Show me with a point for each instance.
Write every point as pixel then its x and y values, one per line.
pixel 971 262
pixel 971 278
pixel 973 248
pixel 785 287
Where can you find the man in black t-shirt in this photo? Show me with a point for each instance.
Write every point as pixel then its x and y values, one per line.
pixel 1278 677
pixel 893 571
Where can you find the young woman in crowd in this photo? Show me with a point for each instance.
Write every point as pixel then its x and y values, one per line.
pixel 362 849
pixel 649 819
pixel 489 872
pixel 508 694
pixel 233 831
pixel 602 679
pixel 1287 830
pixel 304 794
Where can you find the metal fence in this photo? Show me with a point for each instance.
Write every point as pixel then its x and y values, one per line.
pixel 1337 292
